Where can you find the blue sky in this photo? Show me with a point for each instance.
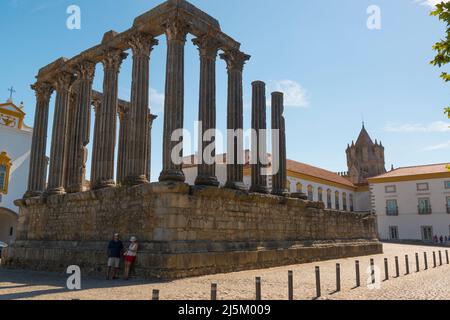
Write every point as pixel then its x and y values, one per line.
pixel 333 69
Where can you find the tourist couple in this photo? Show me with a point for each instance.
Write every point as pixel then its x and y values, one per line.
pixel 115 252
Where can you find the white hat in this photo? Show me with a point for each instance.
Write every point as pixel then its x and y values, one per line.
pixel 133 239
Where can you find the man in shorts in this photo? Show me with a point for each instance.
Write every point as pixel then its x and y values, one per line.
pixel 115 251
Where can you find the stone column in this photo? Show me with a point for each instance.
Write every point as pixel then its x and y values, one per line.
pixel 70 131
pixel 36 176
pixel 259 151
pixel 136 154
pixel 235 119
pixel 176 31
pixel 279 178
pixel 102 175
pixel 77 162
pixel 121 151
pixel 97 105
pixel 208 47
pixel 57 155
pixel 151 118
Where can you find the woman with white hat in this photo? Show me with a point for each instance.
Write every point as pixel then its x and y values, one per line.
pixel 130 256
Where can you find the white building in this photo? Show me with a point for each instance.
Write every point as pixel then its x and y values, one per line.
pixel 412 203
pixel 335 191
pixel 15 146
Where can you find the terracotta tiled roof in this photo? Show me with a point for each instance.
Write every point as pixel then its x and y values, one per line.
pixel 413 171
pixel 315 172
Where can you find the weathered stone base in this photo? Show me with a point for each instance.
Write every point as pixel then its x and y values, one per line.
pixel 185 231
pixel 155 262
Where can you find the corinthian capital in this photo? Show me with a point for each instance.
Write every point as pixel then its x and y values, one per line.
pixel 142 44
pixel 85 70
pixel 235 59
pixel 208 45
pixel 177 28
pixel 64 81
pixel 113 59
pixel 43 91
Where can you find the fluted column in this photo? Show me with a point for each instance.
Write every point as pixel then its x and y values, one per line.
pixel 136 159
pixel 279 178
pixel 70 131
pixel 102 175
pixel 208 47
pixel 259 180
pixel 97 105
pixel 151 118
pixel 235 119
pixel 57 155
pixel 176 31
pixel 77 163
pixel 121 150
pixel 36 176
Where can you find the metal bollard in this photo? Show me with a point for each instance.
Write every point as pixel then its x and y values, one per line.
pixel 407 264
pixel 446 256
pixel 318 291
pixel 290 285
pixel 434 260
pixel 213 291
pixel 258 288
pixel 358 277
pixel 425 260
pixel 417 263
pixel 338 277
pixel 397 268
pixel 155 294
pixel 386 269
pixel 440 258
pixel 372 271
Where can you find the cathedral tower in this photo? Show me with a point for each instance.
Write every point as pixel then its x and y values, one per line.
pixel 365 159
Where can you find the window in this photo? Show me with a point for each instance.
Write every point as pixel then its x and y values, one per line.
pixel 11 231
pixel 448 205
pixel 391 207
pixel 427 233
pixel 424 206
pixel 329 198
pixel 320 194
pixel 336 199
pixel 352 208
pixel 5 166
pixel 423 187
pixel 299 188
pixel 447 184
pixel 288 186
pixel 393 233
pixel 310 193
pixel 344 201
pixel 390 189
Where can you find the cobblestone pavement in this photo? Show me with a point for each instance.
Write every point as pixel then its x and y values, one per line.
pixel 430 284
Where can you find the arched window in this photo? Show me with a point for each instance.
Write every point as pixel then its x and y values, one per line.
pixel 5 166
pixel 329 192
pixel 320 194
pixel 299 188
pixel 351 203
pixel 310 193
pixel 336 201
pixel 344 201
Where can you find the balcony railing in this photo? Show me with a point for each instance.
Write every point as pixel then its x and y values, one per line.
pixel 425 210
pixel 392 211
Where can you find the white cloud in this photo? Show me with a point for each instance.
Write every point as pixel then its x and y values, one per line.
pixel 437 126
pixel 430 3
pixel 441 146
pixel 156 101
pixel 294 94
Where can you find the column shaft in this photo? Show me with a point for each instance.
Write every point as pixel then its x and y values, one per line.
pixel 208 48
pixel 36 176
pixel 77 161
pixel 176 31
pixel 57 154
pixel 235 120
pixel 136 159
pixel 121 152
pixel 279 178
pixel 102 175
pixel 259 151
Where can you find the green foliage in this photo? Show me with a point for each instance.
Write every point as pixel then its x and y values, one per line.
pixel 442 47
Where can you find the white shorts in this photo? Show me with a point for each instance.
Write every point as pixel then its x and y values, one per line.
pixel 114 262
